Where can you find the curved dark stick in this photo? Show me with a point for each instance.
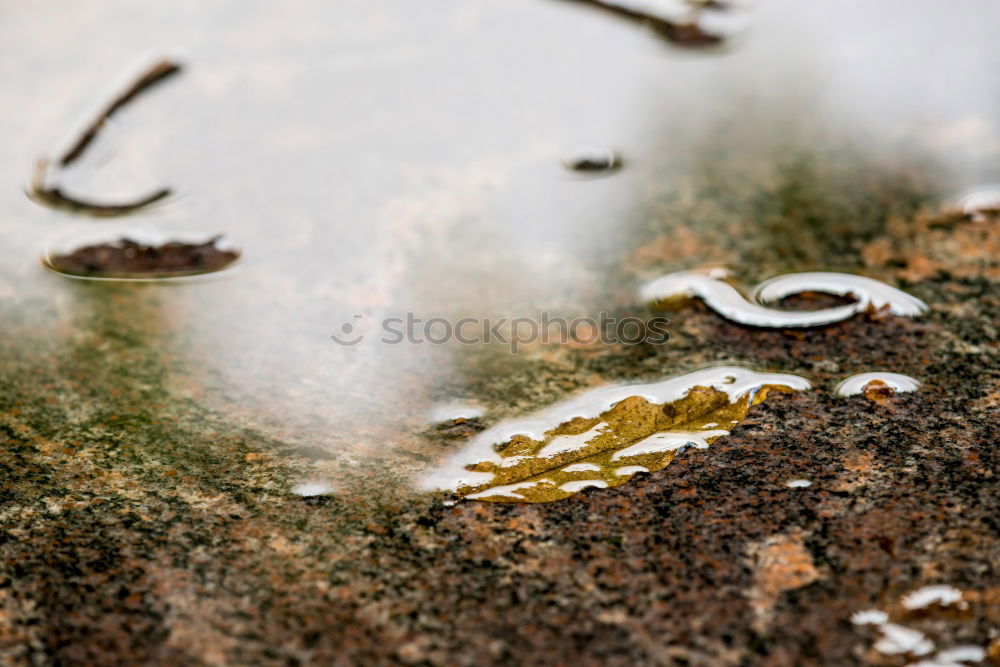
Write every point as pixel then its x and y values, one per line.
pixel 56 198
pixel 53 195
pixel 156 73
pixel 683 34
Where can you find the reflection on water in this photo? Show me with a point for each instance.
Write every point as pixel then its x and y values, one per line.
pixel 900 640
pixel 929 603
pixel 727 301
pixel 602 436
pixel 928 595
pixel 869 617
pixel 454 412
pixel 863 382
pixel 981 206
pixel 958 655
pixel 313 489
pixel 380 158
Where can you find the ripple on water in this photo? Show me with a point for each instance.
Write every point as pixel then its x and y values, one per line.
pixel 603 436
pixel 728 302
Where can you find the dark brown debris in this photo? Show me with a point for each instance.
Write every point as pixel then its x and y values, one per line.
pixel 688 34
pixel 56 197
pixel 128 258
pixel 41 189
pixel 156 73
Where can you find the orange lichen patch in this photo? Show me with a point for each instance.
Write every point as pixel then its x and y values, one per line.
pixel 681 244
pixel 859 468
pixel 860 462
pixel 921 267
pixel 989 401
pixel 781 563
pixel 994 651
pixel 934 243
pixel 878 253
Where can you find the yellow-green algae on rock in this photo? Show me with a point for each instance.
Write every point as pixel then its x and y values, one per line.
pixel 603 437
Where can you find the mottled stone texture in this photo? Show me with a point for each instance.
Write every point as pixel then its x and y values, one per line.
pixel 142 522
pixel 162 537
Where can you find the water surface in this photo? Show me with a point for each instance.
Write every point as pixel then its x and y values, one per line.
pixel 375 158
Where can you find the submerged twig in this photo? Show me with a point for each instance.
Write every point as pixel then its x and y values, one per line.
pixel 52 195
pixel 55 197
pixel 688 33
pixel 156 73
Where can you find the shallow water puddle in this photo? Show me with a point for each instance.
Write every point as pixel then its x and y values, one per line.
pixel 675 288
pixel 341 197
pixel 603 437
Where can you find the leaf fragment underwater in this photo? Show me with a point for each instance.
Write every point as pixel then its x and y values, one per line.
pixel 605 436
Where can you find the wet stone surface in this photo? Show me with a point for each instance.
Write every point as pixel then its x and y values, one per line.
pixel 192 473
pixel 165 535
